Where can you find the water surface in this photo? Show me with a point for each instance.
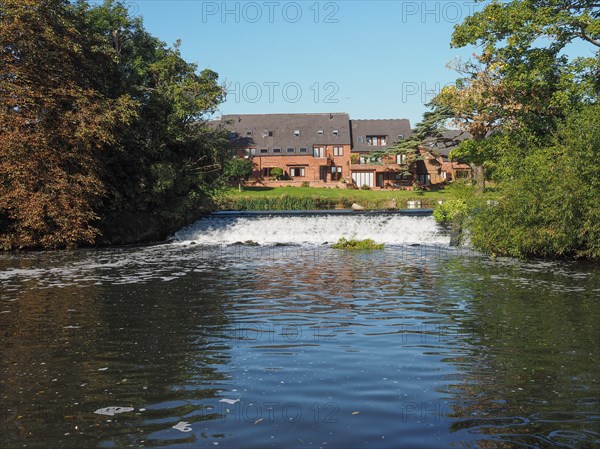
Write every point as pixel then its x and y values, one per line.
pixel 297 346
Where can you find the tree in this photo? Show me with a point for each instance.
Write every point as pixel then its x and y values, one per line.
pixel 238 169
pixel 521 78
pixel 103 127
pixel 54 124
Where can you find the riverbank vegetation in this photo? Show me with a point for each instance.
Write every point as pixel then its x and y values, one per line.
pixel 312 198
pixel 533 116
pixel 103 135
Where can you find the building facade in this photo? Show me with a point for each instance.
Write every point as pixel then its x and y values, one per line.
pixel 330 150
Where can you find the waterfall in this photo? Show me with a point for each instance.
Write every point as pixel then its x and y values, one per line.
pixel 303 228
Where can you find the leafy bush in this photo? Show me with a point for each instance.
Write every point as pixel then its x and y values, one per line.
pixel 277 173
pixel 450 211
pixel 365 187
pixel 354 244
pixel 549 196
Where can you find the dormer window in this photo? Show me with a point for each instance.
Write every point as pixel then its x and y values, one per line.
pixel 320 132
pixel 248 133
pixel 400 136
pixel 361 140
pixel 336 132
pixel 377 141
pixel 297 133
pixel 271 133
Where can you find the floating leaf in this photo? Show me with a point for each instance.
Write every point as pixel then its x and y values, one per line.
pixel 111 411
pixel 183 426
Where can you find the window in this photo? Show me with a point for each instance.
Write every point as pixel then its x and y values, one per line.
pixel 297 172
pixel 361 140
pixel 276 150
pixel 263 151
pixel 232 135
pixel 377 141
pixel 338 151
pixel 291 150
pixel 250 151
pixel 265 172
pixel 303 150
pixel 271 133
pixel 297 133
pixel 248 133
pixel 400 136
pixel 319 152
pixel 320 132
pixel 335 132
pixel 336 173
pixel 425 179
pixel 401 159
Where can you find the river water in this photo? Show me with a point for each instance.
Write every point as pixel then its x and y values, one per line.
pixel 205 343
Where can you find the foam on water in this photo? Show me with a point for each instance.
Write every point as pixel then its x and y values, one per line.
pixel 314 229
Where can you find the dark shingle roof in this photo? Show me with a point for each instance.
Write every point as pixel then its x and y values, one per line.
pixel 253 130
pixel 446 143
pixel 392 128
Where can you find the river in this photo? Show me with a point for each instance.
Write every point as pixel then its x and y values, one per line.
pixel 203 342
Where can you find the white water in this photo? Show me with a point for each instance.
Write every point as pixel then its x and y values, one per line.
pixel 315 229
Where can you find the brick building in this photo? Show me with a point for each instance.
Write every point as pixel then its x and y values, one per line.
pixel 330 150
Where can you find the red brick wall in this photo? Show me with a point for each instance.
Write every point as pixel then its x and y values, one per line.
pixel 310 164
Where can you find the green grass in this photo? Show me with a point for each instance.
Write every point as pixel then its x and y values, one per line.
pixel 305 198
pixel 354 244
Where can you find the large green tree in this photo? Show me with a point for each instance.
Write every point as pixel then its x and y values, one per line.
pixel 103 127
pixel 533 114
pixel 521 76
pixel 54 123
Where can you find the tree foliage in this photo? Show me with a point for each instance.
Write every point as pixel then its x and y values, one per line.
pixel 550 194
pixel 238 169
pixel 102 126
pixel 521 76
pixel 523 100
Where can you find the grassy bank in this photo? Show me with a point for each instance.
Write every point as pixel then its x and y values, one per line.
pixel 310 198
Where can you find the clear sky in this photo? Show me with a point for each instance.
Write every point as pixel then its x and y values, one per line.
pixel 372 59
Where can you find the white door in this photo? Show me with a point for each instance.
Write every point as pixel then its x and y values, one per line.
pixel 363 178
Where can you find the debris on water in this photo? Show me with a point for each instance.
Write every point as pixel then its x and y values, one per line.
pixel 103 369
pixel 111 411
pixel 258 420
pixel 229 401
pixel 183 426
pixel 355 413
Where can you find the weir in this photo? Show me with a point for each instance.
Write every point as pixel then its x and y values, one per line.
pixel 316 227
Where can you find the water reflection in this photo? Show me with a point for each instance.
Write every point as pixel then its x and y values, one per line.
pixel 297 346
pixel 531 377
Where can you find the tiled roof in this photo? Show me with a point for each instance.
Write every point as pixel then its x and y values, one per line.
pixel 283 131
pixel 391 128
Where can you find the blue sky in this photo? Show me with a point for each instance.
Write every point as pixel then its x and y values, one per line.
pixel 372 59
